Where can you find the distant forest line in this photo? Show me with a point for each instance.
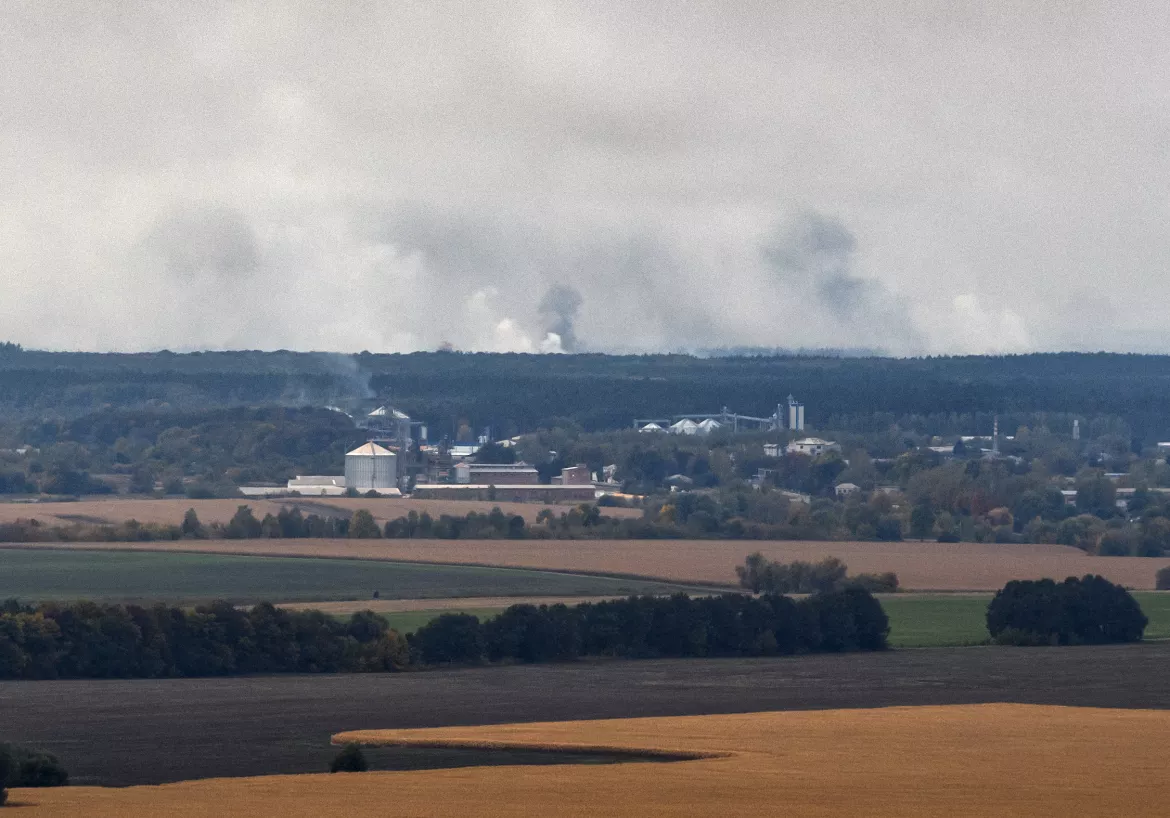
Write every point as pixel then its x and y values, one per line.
pixel 515 393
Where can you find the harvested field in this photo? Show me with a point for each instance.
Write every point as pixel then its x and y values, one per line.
pixel 925 566
pixel 954 761
pixel 174 729
pixel 171 510
pixel 189 578
pixel 495 604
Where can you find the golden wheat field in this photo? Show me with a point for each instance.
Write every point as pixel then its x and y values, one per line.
pixel 972 760
pixel 921 566
pixel 171 510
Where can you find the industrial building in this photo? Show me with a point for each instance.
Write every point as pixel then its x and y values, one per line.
pixel 371 467
pixel 574 476
pixel 537 493
pixel 706 423
pixel 795 415
pixel 318 485
pixel 496 474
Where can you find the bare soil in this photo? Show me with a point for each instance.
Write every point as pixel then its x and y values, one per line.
pixel 920 566
pixel 119 732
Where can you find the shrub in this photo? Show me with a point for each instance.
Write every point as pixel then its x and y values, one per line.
pixel 30 768
pixel 350 760
pixel 884 583
pixel 1090 610
pixel 1162 580
pixel 41 769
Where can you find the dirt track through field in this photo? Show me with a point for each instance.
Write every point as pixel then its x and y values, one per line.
pixel 919 565
pixel 965 761
pixel 171 510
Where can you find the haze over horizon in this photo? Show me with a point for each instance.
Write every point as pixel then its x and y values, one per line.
pixel 540 176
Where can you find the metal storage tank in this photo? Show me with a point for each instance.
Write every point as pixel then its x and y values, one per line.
pixel 371 467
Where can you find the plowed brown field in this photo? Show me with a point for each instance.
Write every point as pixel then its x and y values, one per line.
pixel 974 760
pixel 919 565
pixel 171 510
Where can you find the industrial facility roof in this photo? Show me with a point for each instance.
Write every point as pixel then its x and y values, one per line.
pixel 383 411
pixel 372 449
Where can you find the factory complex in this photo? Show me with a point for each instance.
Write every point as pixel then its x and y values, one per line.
pixel 397 459
pixel 397 456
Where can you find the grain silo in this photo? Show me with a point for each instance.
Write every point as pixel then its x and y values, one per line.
pixel 371 467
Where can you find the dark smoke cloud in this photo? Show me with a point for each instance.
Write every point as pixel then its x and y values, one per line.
pixel 560 307
pixel 813 253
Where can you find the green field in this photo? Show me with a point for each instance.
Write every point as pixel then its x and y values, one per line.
pixel 942 620
pixel 38 575
pixel 916 620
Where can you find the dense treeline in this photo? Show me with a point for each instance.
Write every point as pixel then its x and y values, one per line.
pixel 518 393
pixel 88 640
pixel 203 453
pixel 727 625
pixel 1086 611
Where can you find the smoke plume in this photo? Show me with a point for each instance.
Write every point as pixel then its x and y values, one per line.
pixel 813 255
pixel 559 309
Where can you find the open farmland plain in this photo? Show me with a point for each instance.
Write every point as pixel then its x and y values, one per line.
pixel 974 760
pixel 143 731
pixel 33 575
pixel 171 510
pixel 925 566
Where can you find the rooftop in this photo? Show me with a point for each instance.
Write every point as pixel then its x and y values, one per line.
pixel 371 450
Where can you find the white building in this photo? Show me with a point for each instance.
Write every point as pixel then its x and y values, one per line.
pixel 652 428
pixel 708 426
pixel 317 485
pixel 812 446
pixel 845 489
pixel 686 426
pixel 371 468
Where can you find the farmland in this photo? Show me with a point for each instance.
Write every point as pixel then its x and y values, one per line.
pixel 184 578
pixel 916 620
pixel 957 760
pixel 282 723
pixel 925 566
pixel 171 510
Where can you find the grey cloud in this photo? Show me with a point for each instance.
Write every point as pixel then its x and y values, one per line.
pixel 388 176
pixel 204 242
pixel 814 254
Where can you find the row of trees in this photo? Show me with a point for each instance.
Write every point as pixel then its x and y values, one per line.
pixel 676 626
pixel 761 575
pixel 88 640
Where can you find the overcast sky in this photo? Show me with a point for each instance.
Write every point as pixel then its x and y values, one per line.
pixel 633 175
